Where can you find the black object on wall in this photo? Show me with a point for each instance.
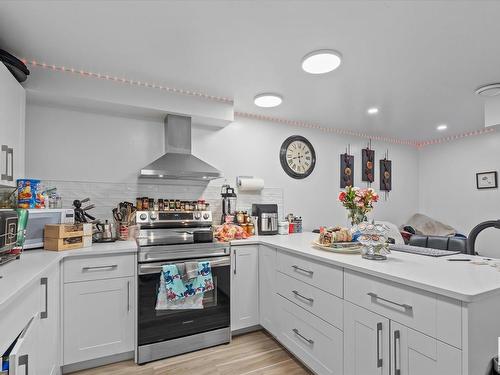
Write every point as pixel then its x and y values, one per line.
pixel 346 168
pixel 368 164
pixel 385 174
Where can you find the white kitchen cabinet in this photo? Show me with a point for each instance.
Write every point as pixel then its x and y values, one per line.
pixel 244 287
pixel 413 353
pixel 268 298
pixel 49 333
pixel 24 357
pixel 366 342
pixel 12 128
pixel 98 319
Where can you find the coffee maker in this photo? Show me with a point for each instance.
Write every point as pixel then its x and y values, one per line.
pixel 267 218
pixel 228 202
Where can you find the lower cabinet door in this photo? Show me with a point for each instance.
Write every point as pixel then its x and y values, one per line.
pixel 313 341
pixel 98 319
pixel 268 299
pixel 23 359
pixel 366 342
pixel 414 353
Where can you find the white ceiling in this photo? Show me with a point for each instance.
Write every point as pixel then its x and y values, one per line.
pixel 419 61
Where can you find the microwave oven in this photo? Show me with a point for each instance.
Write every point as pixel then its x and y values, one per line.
pixel 38 218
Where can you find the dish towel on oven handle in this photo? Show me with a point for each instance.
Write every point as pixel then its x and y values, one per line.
pixel 175 294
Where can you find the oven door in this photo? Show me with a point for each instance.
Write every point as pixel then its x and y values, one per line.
pixel 160 325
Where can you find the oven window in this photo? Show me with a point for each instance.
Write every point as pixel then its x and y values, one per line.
pixel 160 325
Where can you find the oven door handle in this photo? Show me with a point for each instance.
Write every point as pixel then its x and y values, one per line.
pixel 145 269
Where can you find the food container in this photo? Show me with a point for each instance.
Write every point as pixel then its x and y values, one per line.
pixel 283 227
pixel 29 194
pixel 250 229
pixel 291 228
pixel 240 217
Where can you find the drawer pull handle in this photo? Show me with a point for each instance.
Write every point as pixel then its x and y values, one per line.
pixel 45 314
pixel 297 268
pixel 296 331
pixel 397 340
pixel 379 334
pixel 297 294
pixel 403 305
pixel 100 268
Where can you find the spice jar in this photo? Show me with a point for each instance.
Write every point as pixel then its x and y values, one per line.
pixel 250 229
pixel 145 203
pixel 240 217
pixel 171 205
pixel 151 204
pixel 161 205
pixel 177 204
pixel 138 204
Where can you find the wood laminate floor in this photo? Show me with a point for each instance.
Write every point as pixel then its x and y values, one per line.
pixel 255 353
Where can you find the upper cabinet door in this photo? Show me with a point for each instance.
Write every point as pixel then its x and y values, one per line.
pixel 12 128
pixel 366 342
pixel 414 353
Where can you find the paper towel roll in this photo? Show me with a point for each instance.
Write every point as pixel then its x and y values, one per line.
pixel 250 184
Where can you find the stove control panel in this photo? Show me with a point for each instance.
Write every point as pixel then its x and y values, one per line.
pixel 173 217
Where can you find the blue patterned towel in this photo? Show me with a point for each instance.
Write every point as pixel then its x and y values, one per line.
pixel 173 288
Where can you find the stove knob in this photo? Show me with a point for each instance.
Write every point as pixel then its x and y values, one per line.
pixel 152 216
pixel 143 216
pixel 197 215
pixel 206 215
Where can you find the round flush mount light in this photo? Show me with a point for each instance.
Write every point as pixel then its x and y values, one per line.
pixel 372 111
pixel 489 90
pixel 268 100
pixel 442 127
pixel 321 61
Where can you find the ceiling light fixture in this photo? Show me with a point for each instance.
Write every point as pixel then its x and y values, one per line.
pixel 442 127
pixel 268 100
pixel 321 61
pixel 489 90
pixel 372 111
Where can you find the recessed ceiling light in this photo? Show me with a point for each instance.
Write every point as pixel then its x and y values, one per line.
pixel 489 90
pixel 442 127
pixel 372 111
pixel 268 100
pixel 321 61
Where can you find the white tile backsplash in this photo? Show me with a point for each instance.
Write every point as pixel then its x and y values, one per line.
pixel 106 196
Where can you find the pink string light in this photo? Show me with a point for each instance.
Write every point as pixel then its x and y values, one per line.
pixel 297 123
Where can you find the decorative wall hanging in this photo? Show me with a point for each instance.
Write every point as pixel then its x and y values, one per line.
pixel 297 157
pixel 368 164
pixel 386 175
pixel 346 168
pixel 487 180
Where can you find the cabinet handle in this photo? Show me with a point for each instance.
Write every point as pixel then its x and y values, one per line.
pixel 311 300
pixel 397 341
pixel 100 268
pixel 379 334
pixel 403 305
pixel 297 269
pixel 128 296
pixel 296 331
pixel 10 177
pixel 234 254
pixel 24 361
pixel 45 314
pixel 5 176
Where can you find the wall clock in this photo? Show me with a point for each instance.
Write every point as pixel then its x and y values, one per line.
pixel 297 157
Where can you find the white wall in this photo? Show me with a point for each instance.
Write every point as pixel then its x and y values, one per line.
pixel 448 186
pixel 71 145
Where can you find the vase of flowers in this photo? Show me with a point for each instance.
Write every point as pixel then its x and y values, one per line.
pixel 358 202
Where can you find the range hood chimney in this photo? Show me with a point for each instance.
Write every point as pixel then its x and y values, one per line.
pixel 178 163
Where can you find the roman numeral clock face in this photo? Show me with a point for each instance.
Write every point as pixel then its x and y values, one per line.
pixel 297 157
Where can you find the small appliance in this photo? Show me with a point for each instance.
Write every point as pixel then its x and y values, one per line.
pixel 8 235
pixel 267 218
pixel 38 218
pixel 228 202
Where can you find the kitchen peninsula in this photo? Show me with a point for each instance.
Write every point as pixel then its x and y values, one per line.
pixel 337 313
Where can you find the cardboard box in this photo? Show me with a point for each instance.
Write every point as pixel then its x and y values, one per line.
pixel 63 231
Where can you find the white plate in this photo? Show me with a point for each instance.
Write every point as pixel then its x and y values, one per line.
pixel 341 250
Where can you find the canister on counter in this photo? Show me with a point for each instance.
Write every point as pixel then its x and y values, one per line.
pixel 250 229
pixel 240 217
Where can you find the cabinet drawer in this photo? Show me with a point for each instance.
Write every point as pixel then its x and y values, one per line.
pixel 320 303
pixel 98 267
pixel 417 309
pixel 314 342
pixel 326 277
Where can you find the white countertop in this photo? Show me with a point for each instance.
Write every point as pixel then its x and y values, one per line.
pixel 460 280
pixel 22 273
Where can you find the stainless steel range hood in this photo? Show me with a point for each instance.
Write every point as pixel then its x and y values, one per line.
pixel 178 162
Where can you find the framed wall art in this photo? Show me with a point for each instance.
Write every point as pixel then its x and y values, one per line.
pixel 487 180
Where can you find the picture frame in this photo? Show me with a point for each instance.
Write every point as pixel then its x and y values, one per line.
pixel 487 180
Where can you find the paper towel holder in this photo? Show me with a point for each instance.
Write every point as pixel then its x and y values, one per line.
pixel 240 178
